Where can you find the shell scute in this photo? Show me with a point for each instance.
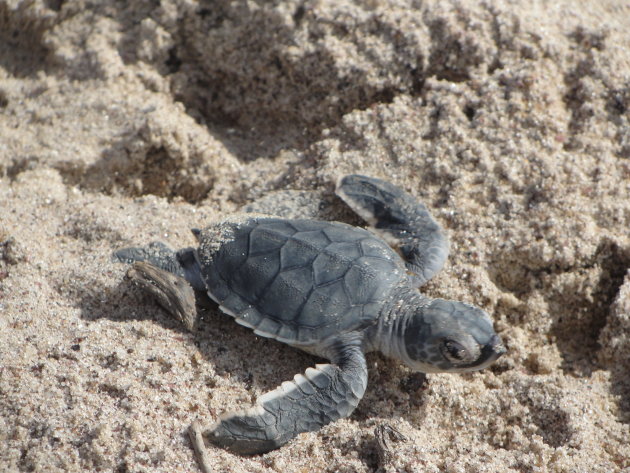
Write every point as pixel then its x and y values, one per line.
pixel 263 241
pixel 314 238
pixel 263 269
pixel 296 253
pixel 295 286
pixel 376 248
pixel 325 305
pixel 329 268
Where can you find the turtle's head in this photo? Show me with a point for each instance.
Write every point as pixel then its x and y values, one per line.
pixel 450 336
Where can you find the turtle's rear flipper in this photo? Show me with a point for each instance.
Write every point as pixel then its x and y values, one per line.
pixel 167 275
pixel 320 396
pixel 400 219
pixel 172 292
pixel 156 253
pixel 183 263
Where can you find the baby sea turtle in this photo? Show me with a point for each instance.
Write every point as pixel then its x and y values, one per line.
pixel 330 289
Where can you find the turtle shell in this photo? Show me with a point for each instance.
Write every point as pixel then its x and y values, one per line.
pixel 298 281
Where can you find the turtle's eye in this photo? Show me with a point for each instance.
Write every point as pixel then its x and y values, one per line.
pixel 454 351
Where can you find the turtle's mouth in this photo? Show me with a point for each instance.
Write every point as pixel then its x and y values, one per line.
pixel 490 352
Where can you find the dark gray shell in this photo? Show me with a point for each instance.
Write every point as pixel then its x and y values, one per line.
pixel 298 281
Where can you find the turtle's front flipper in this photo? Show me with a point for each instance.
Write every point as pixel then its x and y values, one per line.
pixel 320 396
pixel 400 219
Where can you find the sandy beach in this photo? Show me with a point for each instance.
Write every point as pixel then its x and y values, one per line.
pixel 123 123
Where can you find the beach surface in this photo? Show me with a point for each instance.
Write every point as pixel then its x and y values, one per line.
pixel 123 123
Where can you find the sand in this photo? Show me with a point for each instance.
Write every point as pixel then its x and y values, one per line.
pixel 121 125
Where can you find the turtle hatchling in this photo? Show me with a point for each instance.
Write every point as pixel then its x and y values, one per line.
pixel 330 289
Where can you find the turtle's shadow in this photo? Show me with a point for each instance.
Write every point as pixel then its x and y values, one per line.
pixel 231 348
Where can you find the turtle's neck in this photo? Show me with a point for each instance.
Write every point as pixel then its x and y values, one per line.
pixel 388 335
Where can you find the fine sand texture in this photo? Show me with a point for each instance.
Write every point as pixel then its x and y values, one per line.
pixel 123 123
